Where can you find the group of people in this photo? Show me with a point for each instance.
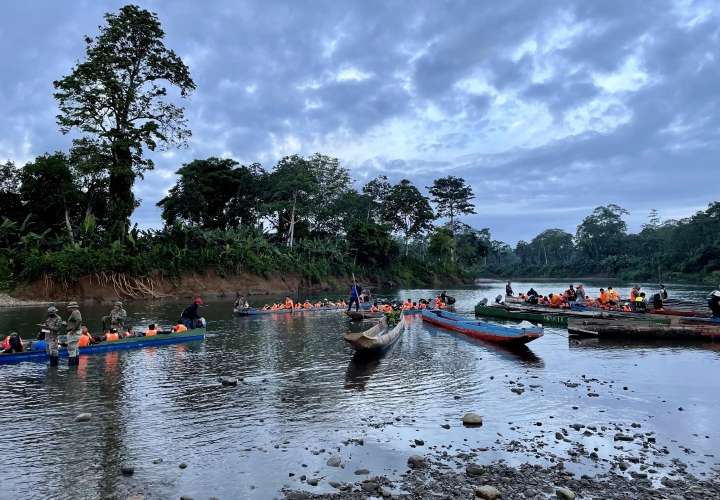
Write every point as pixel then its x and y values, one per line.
pixel 607 298
pixel 77 334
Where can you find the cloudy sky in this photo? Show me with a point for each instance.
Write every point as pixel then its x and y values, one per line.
pixel 547 108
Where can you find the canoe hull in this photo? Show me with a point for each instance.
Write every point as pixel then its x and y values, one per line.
pixel 361 315
pixel 700 330
pixel 263 312
pixel 120 345
pixel 480 330
pixel 519 315
pixel 376 339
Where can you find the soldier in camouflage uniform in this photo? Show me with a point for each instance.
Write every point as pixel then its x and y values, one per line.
pixel 116 318
pixel 74 325
pixel 54 324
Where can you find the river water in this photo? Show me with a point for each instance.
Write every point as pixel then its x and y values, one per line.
pixel 304 397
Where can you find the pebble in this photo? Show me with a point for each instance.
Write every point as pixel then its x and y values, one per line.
pixel 419 442
pixel 362 472
pixel 473 470
pixel 472 419
pixel 225 380
pixel 564 493
pixel 487 492
pixel 622 437
pixel 445 426
pixel 127 470
pixel 313 481
pixel 416 461
pixel 334 461
pixel 83 417
pixel 183 465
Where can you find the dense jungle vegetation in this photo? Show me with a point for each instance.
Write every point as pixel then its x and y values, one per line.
pixel 67 214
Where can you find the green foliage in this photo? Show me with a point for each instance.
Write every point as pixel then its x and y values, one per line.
pixel 452 197
pixel 118 100
pixel 408 211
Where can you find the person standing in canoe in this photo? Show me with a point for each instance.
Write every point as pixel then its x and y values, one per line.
pixel 508 290
pixel 580 293
pixel 116 318
pixel 663 292
pixel 190 316
pixel 355 291
pixel 73 329
pixel 53 324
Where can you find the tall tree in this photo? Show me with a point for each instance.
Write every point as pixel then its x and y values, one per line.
pixel 214 193
pixel 408 211
pixel 11 205
pixel 378 189
pixel 601 233
pixel 118 98
pixel 452 197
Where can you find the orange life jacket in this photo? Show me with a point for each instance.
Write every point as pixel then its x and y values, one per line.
pixel 603 298
pixel 7 345
pixel 180 328
pixel 111 337
pixel 387 308
pixel 307 305
pixel 84 340
pixel 289 304
pixel 150 333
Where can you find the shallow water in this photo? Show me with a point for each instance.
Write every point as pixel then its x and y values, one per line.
pixel 303 391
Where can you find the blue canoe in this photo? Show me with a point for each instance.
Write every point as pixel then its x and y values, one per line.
pixel 129 343
pixel 490 332
pixel 261 312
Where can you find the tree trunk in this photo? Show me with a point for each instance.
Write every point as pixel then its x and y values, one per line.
pixel 69 227
pixel 292 222
pixel 452 232
pixel 122 200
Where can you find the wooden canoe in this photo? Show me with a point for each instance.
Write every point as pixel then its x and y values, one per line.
pixel 361 315
pixel 490 332
pixel 128 343
pixel 697 330
pixel 377 338
pixel 251 311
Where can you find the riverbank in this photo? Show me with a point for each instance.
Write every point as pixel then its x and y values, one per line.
pixel 107 287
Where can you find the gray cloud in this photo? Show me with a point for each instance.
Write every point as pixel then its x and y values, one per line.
pixel 547 108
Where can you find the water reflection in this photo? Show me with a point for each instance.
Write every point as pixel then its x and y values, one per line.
pixel 360 369
pixel 629 344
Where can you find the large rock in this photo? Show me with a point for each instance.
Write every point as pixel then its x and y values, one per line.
pixel 334 461
pixel 564 493
pixel 227 381
pixel 487 492
pixel 313 481
pixel 416 462
pixel 474 470
pixel 83 417
pixel 127 470
pixel 472 419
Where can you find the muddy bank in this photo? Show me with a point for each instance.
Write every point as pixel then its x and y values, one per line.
pixel 104 287
pixel 8 301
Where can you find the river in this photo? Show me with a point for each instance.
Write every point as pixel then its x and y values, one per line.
pixel 304 398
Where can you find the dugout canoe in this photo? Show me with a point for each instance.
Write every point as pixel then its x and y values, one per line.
pixel 490 332
pixel 361 315
pixel 517 314
pixel 618 328
pixel 251 311
pixel 377 338
pixel 194 335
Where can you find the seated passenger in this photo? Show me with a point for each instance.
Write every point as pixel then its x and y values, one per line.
pixel 85 338
pixel 151 331
pixel 13 343
pixel 112 335
pixel 179 328
pixel 307 305
pixel 130 332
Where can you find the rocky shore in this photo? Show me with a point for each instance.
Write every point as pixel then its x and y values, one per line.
pixel 434 478
pixel 8 301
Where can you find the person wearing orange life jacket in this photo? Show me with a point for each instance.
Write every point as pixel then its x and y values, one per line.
pixel 289 304
pixel 613 296
pixel 423 305
pixel 112 335
pixel 407 305
pixel 438 303
pixel 179 328
pixel 151 331
pixel 374 308
pixel 85 338
pixel 634 293
pixel 131 332
pixel 13 343
pixel 556 300
pixel 387 308
pixel 603 297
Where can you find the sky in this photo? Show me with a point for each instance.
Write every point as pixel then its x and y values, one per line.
pixel 548 109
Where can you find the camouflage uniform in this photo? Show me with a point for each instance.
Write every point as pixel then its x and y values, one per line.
pixel 53 323
pixel 74 324
pixel 117 317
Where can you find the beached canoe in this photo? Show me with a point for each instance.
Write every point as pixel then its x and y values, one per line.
pixel 361 315
pixel 377 338
pixel 479 329
pixel 129 343
pixel 411 312
pixel 618 328
pixel 251 311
